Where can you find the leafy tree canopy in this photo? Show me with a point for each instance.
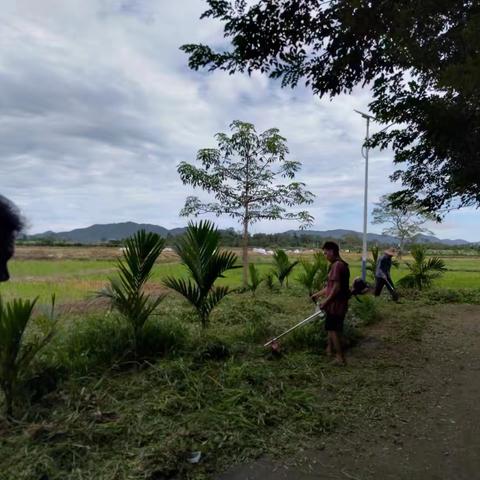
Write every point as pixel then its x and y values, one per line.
pixel 404 223
pixel 244 174
pixel 421 59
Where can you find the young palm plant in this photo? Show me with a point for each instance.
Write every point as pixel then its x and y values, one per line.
pixel 254 278
pixel 126 292
pixel 282 266
pixel 199 252
pixel 314 273
pixel 16 354
pixel 423 270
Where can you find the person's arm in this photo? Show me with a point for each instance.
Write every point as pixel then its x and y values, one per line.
pixel 320 293
pixel 335 290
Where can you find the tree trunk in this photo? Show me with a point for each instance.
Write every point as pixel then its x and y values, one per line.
pixel 245 252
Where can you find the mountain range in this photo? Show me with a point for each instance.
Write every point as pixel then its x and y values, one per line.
pixel 118 231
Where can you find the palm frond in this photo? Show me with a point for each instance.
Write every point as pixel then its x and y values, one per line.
pixel 199 252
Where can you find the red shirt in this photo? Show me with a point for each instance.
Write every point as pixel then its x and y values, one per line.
pixel 338 272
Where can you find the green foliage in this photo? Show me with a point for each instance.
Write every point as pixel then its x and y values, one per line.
pixel 364 311
pixel 16 353
pixel 282 266
pixel 255 278
pixel 243 173
pixel 314 273
pixel 334 46
pixel 423 270
pixel 450 295
pixel 199 252
pixel 126 293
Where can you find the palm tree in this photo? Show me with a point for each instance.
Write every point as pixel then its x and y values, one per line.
pixel 314 273
pixel 282 266
pixel 199 252
pixel 126 292
pixel 423 270
pixel 15 355
pixel 255 279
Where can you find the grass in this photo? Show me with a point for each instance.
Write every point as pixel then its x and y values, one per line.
pixel 96 414
pixel 109 419
pixel 74 280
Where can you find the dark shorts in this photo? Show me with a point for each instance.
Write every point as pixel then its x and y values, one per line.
pixel 334 323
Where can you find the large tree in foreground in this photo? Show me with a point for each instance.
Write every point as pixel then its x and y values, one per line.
pixel 404 223
pixel 421 59
pixel 244 173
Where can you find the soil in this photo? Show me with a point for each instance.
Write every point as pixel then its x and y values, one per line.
pixel 434 434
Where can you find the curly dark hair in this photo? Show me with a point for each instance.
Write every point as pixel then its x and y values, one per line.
pixel 11 222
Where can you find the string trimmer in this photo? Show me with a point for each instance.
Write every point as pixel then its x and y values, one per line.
pixel 273 343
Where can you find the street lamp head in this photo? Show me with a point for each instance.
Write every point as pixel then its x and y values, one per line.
pixel 365 115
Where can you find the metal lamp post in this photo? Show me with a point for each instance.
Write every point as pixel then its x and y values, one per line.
pixel 365 195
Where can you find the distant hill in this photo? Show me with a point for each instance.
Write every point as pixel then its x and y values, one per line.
pixel 118 231
pixel 374 237
pixel 104 233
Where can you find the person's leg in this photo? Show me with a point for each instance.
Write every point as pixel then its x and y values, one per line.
pixel 329 349
pixel 379 283
pixel 337 345
pixel 391 289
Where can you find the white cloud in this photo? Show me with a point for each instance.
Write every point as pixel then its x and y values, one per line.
pixel 98 107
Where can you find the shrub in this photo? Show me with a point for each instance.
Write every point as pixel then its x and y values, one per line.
pixel 254 278
pixel 364 310
pixel 282 266
pixel 199 251
pixel 16 353
pixel 126 292
pixel 422 271
pixel 314 273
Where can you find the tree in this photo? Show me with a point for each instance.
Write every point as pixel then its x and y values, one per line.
pixel 423 270
pixel 241 173
pixel 404 223
pixel 126 292
pixel 199 251
pixel 421 60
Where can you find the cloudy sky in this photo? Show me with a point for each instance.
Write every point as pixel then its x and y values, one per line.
pixel 98 106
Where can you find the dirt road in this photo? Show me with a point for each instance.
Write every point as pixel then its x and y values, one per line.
pixel 433 435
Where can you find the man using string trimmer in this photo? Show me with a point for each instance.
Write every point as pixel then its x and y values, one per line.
pixel 335 304
pixel 382 274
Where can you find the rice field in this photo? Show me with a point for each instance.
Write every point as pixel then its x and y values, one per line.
pixel 76 273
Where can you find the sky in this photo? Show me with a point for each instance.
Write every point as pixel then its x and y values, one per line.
pixel 98 107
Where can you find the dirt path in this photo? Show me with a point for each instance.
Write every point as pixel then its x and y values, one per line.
pixel 434 435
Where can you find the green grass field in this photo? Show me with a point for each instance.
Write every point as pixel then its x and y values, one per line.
pixel 73 280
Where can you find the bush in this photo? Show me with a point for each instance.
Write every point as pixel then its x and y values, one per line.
pixel 126 292
pixel 364 311
pixel 16 351
pixel 163 337
pixel 448 295
pixel 90 343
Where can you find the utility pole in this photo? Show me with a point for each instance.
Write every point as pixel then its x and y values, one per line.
pixel 365 150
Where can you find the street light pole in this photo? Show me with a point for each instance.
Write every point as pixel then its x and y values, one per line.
pixel 365 195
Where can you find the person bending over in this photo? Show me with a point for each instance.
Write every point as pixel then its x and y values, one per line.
pixel 382 274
